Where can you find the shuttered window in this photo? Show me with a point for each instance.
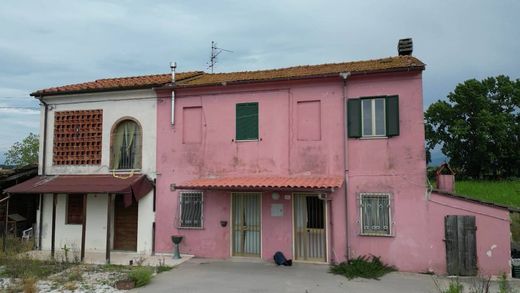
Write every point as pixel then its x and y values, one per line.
pixel 247 121
pixel 375 213
pixel 191 204
pixel 74 209
pixel 373 117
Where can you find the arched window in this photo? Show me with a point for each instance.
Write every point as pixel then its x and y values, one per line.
pixel 126 146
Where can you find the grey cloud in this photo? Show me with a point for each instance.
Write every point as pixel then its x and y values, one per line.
pixel 49 43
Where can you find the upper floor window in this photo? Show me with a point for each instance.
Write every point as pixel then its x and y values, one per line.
pixel 126 146
pixel 247 121
pixel 373 116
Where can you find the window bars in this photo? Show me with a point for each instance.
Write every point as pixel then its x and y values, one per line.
pixel 375 214
pixel 191 204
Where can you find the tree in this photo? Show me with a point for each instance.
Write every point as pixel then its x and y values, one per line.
pixel 23 153
pixel 478 128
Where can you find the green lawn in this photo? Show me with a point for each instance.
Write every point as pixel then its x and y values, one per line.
pixel 505 192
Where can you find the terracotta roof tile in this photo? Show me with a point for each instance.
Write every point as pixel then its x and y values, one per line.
pixel 199 78
pixel 255 183
pixel 133 82
pixel 379 65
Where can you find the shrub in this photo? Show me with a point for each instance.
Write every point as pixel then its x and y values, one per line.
pixel 141 276
pixel 368 267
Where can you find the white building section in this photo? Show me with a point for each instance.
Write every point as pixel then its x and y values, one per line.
pixel 137 105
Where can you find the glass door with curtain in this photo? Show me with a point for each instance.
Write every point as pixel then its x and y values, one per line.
pixel 245 218
pixel 309 228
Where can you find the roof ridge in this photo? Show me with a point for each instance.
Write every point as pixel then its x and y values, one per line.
pixel 314 65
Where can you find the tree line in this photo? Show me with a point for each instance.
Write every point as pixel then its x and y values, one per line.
pixel 478 128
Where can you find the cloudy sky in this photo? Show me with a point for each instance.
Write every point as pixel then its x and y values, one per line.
pixel 49 43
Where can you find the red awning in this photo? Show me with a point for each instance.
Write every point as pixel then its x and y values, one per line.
pixel 258 183
pixel 136 186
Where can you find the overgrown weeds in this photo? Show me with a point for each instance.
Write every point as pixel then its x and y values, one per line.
pixel 141 276
pixel 478 285
pixel 368 267
pixel 162 267
pixel 29 285
pixel 454 287
pixel 503 285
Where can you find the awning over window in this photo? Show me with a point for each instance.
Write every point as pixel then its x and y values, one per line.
pixel 261 183
pixel 136 186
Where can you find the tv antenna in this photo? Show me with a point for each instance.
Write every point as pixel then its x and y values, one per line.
pixel 215 51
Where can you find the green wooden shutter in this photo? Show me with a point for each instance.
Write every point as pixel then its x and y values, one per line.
pixel 392 115
pixel 246 121
pixel 354 118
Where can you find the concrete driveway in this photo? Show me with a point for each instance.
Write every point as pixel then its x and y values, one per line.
pixel 198 275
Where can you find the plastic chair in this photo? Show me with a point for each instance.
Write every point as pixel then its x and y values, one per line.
pixel 27 234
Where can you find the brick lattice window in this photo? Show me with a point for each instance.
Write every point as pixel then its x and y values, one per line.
pixel 77 137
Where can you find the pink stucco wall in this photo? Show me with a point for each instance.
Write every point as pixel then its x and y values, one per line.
pixel 493 234
pixel 394 165
pixel 280 151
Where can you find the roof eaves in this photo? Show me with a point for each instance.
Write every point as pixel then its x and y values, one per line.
pixel 470 199
pixel 93 90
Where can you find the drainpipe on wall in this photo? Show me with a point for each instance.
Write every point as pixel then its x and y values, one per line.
pixel 345 76
pixel 44 148
pixel 44 162
pixel 173 67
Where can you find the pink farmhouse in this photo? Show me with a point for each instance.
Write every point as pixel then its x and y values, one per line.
pixel 323 163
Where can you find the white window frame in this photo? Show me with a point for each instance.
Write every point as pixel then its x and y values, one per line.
pixel 180 223
pixel 373 117
pixel 390 205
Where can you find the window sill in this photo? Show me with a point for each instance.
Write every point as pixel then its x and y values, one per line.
pixel 191 228
pixel 373 137
pixel 247 140
pixel 376 235
pixel 125 170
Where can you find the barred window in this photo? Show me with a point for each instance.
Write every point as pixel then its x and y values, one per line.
pixel 191 204
pixel 375 213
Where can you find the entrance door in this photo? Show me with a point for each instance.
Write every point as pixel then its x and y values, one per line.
pixel 309 228
pixel 125 225
pixel 460 238
pixel 246 223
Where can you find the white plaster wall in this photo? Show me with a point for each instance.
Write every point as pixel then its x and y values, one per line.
pixel 144 225
pixel 70 235
pixel 138 104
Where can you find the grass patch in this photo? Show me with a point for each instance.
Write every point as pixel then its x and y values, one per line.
pixel 505 192
pixel 368 267
pixel 141 276
pixel 16 264
pixel 20 267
